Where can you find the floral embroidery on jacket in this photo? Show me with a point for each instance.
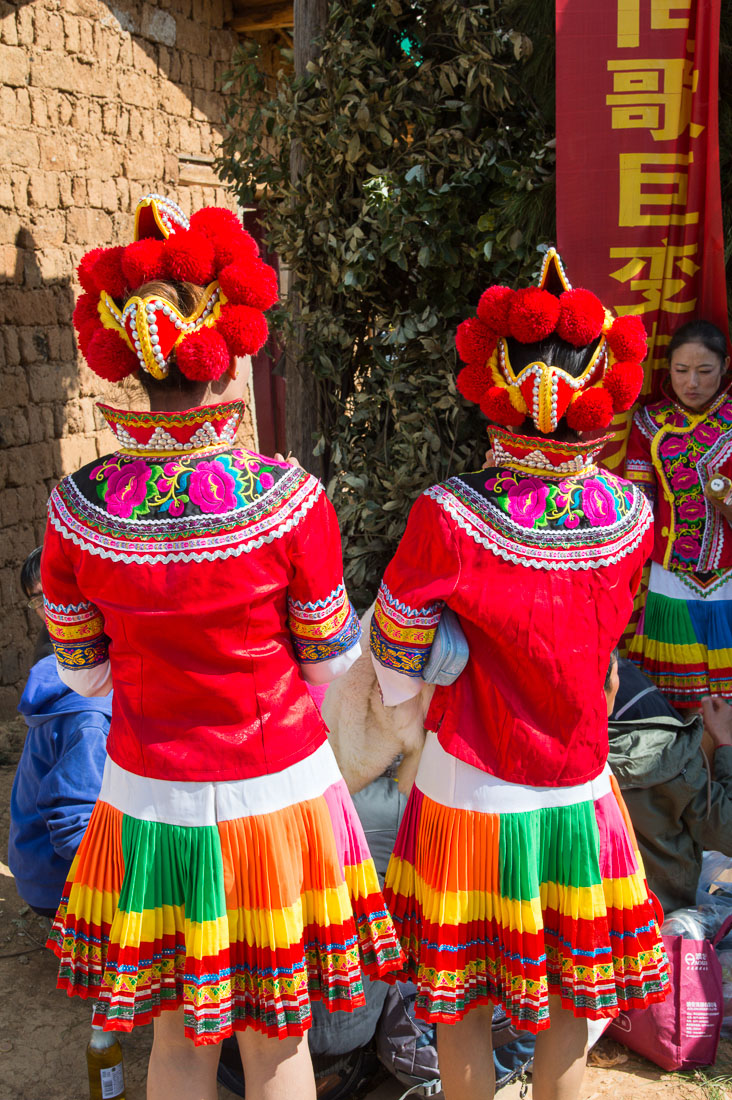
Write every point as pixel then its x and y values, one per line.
pixel 533 503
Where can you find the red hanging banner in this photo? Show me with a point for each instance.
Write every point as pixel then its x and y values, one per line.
pixel 639 210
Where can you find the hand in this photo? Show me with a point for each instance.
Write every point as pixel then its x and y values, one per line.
pixel 717 720
pixel 289 461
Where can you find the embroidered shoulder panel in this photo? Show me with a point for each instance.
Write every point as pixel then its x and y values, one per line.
pixel 686 449
pixel 183 508
pixel 581 522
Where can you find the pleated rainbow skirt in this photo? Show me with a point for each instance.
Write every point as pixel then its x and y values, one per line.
pixel 508 894
pixel 683 641
pixel 239 901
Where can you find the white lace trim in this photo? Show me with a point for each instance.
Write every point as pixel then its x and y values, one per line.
pixel 540 557
pixel 70 528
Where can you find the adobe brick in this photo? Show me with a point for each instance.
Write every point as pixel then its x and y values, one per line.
pixel 15 66
pixel 86 37
pixel 49 29
pixel 14 390
pixel 71 33
pixel 66 106
pixel 19 147
pixel 12 348
pixel 14 429
pixel 39 107
pixel 145 164
pixel 85 226
pixel 80 115
pixel 53 263
pixel 169 62
pixel 24 21
pixel 185 72
pixel 51 384
pixel 48 229
pixel 207 106
pixel 67 350
pixel 27 464
pixel 8 30
pixel 74 451
pixel 43 190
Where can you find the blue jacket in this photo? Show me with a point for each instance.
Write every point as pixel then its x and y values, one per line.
pixel 57 782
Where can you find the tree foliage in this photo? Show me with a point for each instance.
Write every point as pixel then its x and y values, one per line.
pixel 428 173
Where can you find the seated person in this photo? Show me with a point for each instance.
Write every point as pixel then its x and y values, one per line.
pixel 680 802
pixel 59 773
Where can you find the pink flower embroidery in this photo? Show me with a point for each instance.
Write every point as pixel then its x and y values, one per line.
pixel 687 548
pixel 212 488
pixel 527 500
pixel 266 480
pixel 127 487
pixel 691 510
pixel 684 479
pixel 598 503
pixel 674 446
pixel 705 434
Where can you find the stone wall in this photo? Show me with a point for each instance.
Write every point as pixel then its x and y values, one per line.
pixel 100 104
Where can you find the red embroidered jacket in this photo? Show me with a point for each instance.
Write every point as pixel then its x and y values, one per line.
pixel 541 565
pixel 678 451
pixel 209 581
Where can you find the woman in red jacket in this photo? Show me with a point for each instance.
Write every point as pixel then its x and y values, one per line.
pixel 514 880
pixel 224 876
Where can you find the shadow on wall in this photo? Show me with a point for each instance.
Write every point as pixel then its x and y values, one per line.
pixel 40 397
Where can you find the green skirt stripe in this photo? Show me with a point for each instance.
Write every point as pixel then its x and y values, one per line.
pixel 556 844
pixel 172 865
pixel 668 620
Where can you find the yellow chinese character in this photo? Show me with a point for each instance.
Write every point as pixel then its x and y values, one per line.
pixel 661 19
pixel 660 287
pixel 653 95
pixel 641 177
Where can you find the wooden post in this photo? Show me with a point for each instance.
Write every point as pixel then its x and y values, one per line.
pixel 301 409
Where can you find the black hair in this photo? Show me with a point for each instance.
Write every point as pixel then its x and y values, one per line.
pixel 186 297
pixel 614 658
pixel 30 571
pixel 558 353
pixel 699 332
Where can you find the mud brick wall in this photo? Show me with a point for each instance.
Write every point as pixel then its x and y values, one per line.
pixel 100 104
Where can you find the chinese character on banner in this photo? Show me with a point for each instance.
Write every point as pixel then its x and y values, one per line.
pixel 639 214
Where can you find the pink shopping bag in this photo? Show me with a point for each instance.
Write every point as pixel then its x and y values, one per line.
pixel 682 1031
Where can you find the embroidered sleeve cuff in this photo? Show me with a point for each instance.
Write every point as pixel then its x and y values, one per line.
pixel 324 671
pixel 323 630
pixel 401 636
pixel 87 681
pixel 77 634
pixel 395 686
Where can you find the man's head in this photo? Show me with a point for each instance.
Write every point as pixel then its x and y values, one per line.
pixel 612 681
pixel 30 581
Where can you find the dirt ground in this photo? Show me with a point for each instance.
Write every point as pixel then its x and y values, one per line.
pixel 43 1034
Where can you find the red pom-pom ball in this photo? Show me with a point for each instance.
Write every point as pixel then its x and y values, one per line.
pixel 85 271
pixel 109 356
pixel 244 329
pixel 86 310
pixel 581 317
pixel 591 409
pixel 142 261
pixel 474 341
pixel 496 405
pixel 472 381
pixel 189 258
pixel 250 283
pixel 230 240
pixel 107 272
pixel 627 339
pixel 493 308
pixel 532 314
pixel 623 382
pixel 85 334
pixel 203 355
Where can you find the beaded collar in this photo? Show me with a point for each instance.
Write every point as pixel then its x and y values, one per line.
pixel 163 434
pixel 546 457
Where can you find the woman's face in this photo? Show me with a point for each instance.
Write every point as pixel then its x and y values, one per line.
pixel 695 374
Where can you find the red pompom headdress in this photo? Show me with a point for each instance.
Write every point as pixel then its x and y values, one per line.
pixel 120 331
pixel 609 384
